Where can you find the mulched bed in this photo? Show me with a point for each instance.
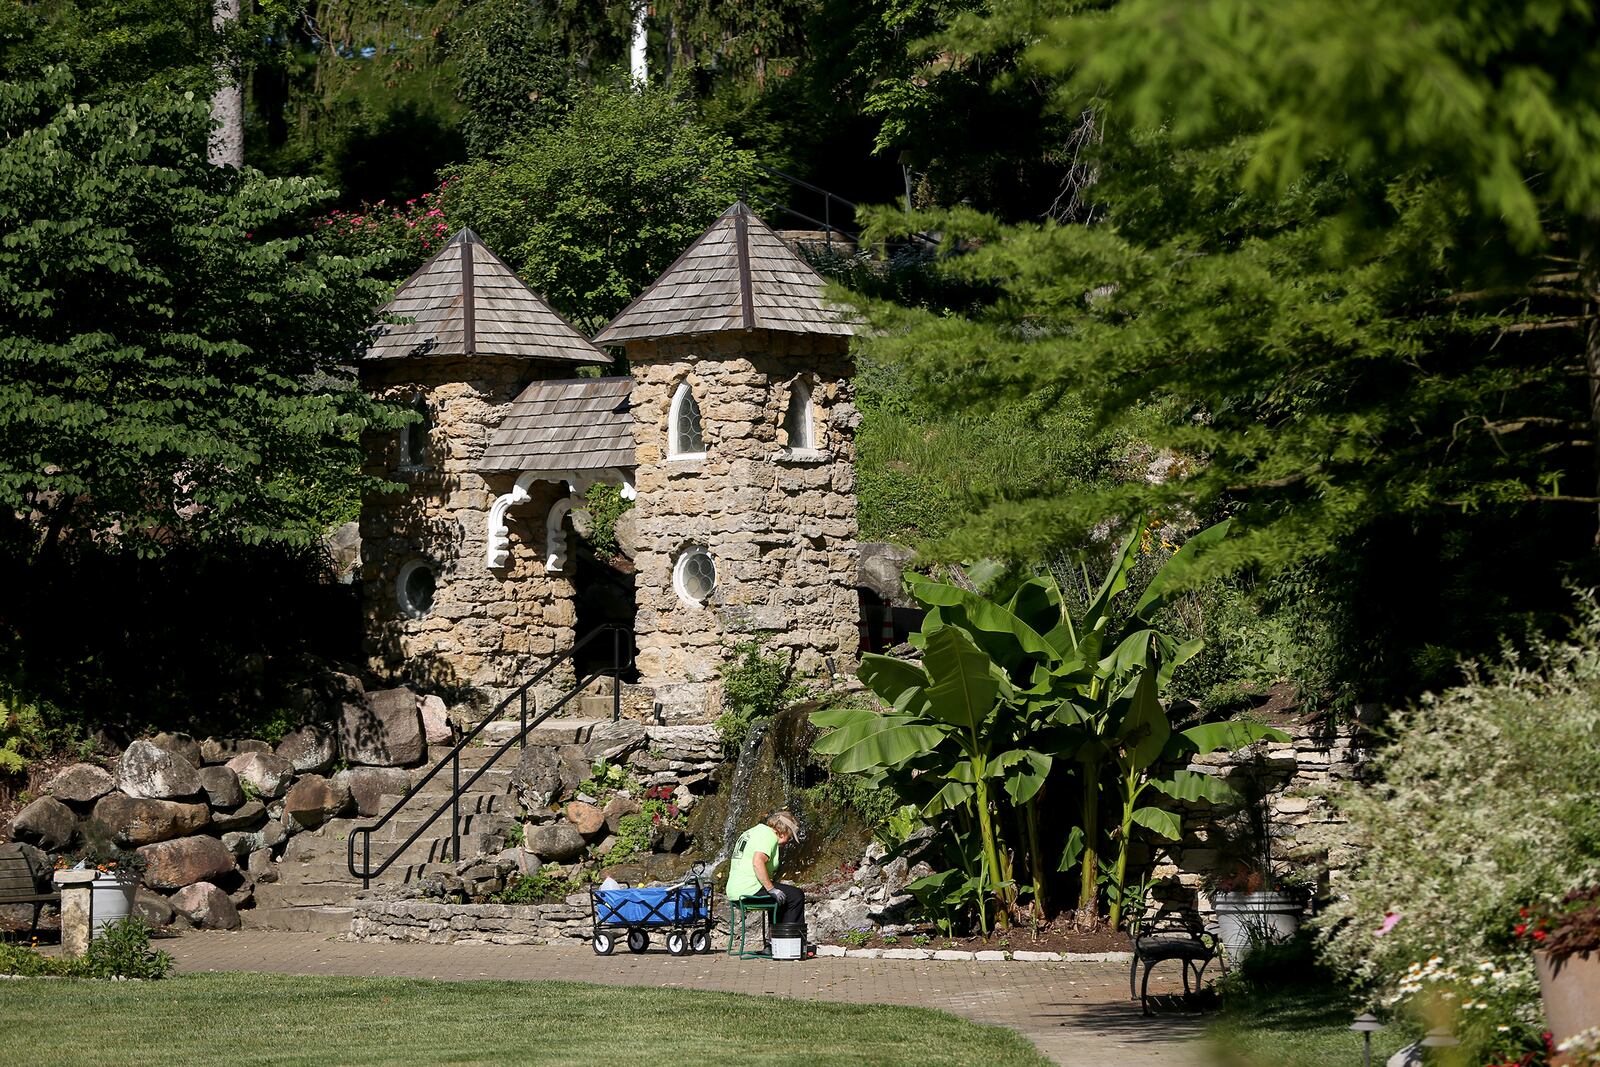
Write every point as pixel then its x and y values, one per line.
pixel 1058 937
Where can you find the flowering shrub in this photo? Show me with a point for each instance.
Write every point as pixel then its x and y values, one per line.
pixel 1486 799
pixel 409 232
pixel 1583 1048
pixel 1491 1005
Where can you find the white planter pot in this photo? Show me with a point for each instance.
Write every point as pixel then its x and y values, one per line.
pixel 1245 920
pixel 112 900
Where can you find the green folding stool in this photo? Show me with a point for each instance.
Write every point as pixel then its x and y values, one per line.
pixel 738 922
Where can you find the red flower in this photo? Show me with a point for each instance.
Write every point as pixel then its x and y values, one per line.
pixel 1520 929
pixel 1538 935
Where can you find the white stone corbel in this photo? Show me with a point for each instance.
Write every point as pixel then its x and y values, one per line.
pixel 555 538
pixel 498 550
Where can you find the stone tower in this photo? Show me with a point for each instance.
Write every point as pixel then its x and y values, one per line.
pixel 474 337
pixel 744 425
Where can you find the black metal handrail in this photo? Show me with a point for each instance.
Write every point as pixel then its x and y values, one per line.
pixel 619 638
pixel 826 223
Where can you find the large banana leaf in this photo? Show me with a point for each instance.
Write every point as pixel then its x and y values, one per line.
pixel 1172 579
pixel 898 741
pixel 1144 730
pixel 1133 653
pixel 1032 768
pixel 1012 638
pixel 895 680
pixel 1116 581
pixel 1165 823
pixel 1174 656
pixel 1222 736
pixel 1074 849
pixel 847 726
pixel 951 795
pixel 1192 786
pixel 1037 602
pixel 966 682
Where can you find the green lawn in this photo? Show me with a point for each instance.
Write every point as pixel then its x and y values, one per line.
pixel 271 1019
pixel 1296 1026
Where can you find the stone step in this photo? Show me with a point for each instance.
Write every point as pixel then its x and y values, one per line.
pixel 562 731
pixel 304 895
pixel 321 920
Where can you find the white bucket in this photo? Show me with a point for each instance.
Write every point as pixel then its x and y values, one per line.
pixel 788 948
pixel 112 900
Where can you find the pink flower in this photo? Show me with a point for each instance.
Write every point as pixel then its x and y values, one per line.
pixel 1390 920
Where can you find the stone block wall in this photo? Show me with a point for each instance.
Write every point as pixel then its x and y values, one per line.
pixel 780 526
pixel 487 631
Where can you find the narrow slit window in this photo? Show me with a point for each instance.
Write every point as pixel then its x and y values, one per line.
pixel 687 439
pixel 797 418
pixel 414 436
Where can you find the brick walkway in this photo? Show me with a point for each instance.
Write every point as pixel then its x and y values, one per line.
pixel 1076 1013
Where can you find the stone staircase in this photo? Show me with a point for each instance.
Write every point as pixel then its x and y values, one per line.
pixel 315 891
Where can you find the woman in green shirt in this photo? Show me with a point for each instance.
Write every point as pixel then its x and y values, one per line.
pixel 755 862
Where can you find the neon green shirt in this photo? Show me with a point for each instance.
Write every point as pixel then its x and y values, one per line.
pixel 742 880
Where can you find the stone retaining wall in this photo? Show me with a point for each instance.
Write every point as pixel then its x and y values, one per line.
pixel 494 924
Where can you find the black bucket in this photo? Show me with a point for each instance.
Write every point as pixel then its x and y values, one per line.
pixel 788 941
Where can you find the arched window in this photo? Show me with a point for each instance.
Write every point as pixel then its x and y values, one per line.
pixel 414 435
pixel 684 437
pixel 797 417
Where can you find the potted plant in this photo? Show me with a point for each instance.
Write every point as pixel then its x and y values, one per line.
pixel 1566 938
pixel 117 874
pixel 1257 900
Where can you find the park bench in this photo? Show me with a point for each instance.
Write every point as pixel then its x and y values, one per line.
pixel 19 883
pixel 1160 933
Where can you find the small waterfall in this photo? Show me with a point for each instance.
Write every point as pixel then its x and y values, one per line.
pixel 739 790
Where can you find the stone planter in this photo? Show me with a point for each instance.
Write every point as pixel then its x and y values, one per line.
pixel 1245 920
pixel 1571 992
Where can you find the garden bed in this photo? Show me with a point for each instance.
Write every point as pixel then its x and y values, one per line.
pixel 1052 938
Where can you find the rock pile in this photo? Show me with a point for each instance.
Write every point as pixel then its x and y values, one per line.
pixel 210 817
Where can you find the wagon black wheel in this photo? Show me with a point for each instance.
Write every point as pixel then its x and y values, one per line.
pixel 700 941
pixel 604 944
pixel 638 940
pixel 677 943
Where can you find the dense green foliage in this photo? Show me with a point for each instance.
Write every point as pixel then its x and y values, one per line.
pixel 285 1019
pixel 756 685
pixel 590 211
pixel 172 353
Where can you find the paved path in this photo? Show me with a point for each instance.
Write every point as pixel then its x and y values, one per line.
pixel 1076 1013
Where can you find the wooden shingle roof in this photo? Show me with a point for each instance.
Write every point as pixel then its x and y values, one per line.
pixel 738 275
pixel 570 425
pixel 466 302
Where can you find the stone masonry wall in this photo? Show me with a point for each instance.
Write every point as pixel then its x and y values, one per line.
pixel 487 630
pixel 780 528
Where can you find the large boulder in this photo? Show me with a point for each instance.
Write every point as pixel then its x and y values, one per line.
pixel 310 749
pixel 383 730
pixel 81 783
pixel 153 908
pixel 223 749
pixel 221 787
pixel 831 919
pixel 266 775
pixel 185 861
pixel 151 772
pixel 47 823
pixel 247 816
pixel 369 785
pixel 557 841
pixel 135 821
pixel 545 776
pixel 183 746
pixel 435 721
pixel 587 819
pixel 313 800
pixel 207 906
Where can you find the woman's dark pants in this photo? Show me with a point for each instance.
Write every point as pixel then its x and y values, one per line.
pixel 793 908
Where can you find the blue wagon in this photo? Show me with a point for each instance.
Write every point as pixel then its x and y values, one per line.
pixel 684 911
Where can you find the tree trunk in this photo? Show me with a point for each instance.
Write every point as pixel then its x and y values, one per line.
pixel 638 52
pixel 1036 856
pixel 991 855
pixel 1088 886
pixel 226 148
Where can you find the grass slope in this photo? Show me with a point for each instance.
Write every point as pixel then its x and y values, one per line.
pixel 1296 1026
pixel 280 1020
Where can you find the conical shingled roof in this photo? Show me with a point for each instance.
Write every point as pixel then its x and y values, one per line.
pixel 466 302
pixel 738 275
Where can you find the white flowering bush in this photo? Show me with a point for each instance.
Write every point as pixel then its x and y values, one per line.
pixel 1583 1048
pixel 1486 799
pixel 1491 1005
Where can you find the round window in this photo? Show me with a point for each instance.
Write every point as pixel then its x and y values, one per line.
pixel 695 575
pixel 414 588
